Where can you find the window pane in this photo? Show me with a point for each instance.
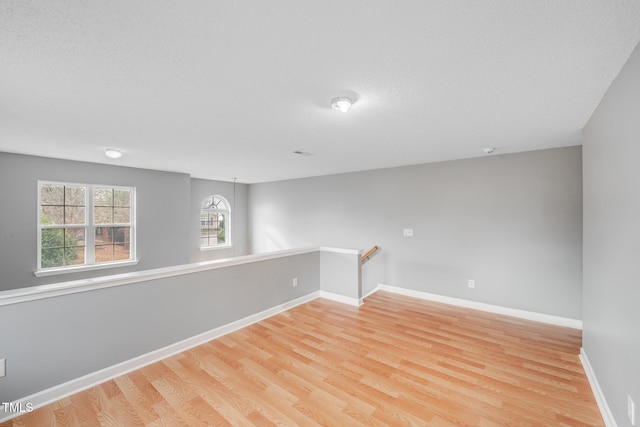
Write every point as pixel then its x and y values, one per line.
pixel 103 197
pixel 52 258
pixel 104 235
pixel 219 204
pixel 121 252
pixel 122 198
pixel 204 241
pixel 121 215
pixel 50 215
pixel 52 238
pixel 103 215
pixel 222 229
pixel 207 203
pixel 121 235
pixel 52 194
pixel 74 215
pixel 73 237
pixel 74 255
pixel 222 234
pixel 74 196
pixel 205 222
pixel 104 253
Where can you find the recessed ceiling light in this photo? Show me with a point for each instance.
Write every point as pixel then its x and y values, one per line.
pixel 113 153
pixel 303 153
pixel 341 103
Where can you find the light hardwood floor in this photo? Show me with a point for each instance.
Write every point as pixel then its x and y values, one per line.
pixel 394 361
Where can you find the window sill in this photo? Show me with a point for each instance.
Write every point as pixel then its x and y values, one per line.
pixel 213 248
pixel 67 270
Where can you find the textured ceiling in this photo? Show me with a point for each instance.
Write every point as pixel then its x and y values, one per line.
pixel 224 89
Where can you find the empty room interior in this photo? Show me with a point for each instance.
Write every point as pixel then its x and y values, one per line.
pixel 319 213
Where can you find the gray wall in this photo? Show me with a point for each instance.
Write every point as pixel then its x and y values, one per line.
pixel 611 337
pixel 513 223
pixel 201 189
pixel 340 274
pixel 89 331
pixel 168 209
pixel 162 209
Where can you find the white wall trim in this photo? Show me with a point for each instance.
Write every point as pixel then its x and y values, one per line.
pixel 522 314
pixel 50 395
pixel 357 302
pixel 215 248
pixel 16 296
pixel 371 292
pixel 605 411
pixel 81 268
pixel 61 391
pixel 341 250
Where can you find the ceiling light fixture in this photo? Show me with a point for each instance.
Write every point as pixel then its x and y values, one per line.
pixel 303 153
pixel 341 103
pixel 113 153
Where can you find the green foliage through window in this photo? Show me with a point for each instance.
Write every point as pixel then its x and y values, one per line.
pixel 84 224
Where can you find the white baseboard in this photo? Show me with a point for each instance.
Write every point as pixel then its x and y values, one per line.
pixel 521 314
pixel 371 292
pixel 50 395
pixel 357 302
pixel 605 411
pixel 61 391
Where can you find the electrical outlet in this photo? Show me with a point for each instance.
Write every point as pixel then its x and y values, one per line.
pixel 472 283
pixel 295 282
pixel 631 410
pixel 407 232
pixel 3 367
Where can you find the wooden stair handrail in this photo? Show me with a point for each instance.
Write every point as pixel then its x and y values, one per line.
pixel 369 253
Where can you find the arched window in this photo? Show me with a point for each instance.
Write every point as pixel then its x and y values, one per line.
pixel 215 227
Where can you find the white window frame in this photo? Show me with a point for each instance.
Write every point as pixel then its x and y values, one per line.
pixel 90 228
pixel 227 224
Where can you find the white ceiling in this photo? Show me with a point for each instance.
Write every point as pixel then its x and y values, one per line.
pixel 224 89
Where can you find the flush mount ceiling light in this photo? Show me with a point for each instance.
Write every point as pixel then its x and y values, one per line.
pixel 341 103
pixel 303 153
pixel 113 153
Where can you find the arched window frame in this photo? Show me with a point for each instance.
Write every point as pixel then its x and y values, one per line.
pixel 215 220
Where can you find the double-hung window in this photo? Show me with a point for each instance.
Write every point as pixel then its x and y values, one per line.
pixel 83 226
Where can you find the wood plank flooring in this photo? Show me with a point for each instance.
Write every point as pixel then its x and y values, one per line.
pixel 395 361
